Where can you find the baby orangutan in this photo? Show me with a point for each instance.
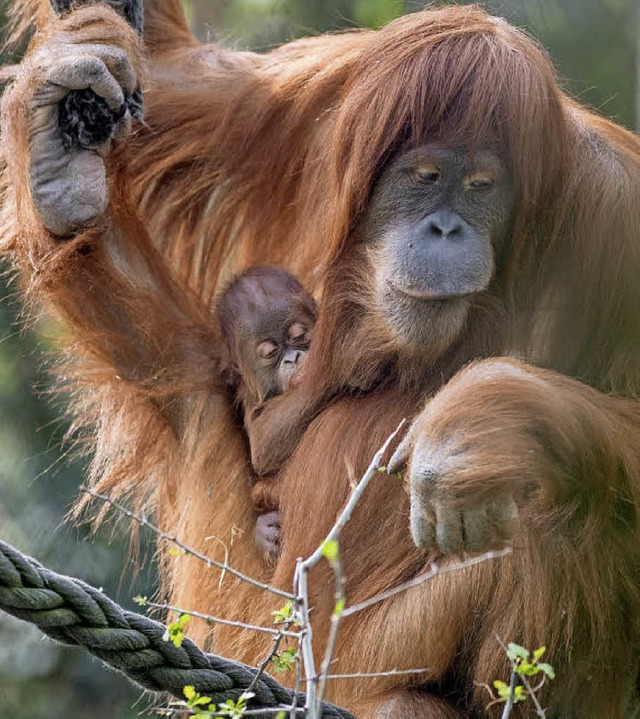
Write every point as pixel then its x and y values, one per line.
pixel 266 318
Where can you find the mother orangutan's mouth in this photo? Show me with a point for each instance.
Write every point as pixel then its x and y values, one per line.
pixel 426 295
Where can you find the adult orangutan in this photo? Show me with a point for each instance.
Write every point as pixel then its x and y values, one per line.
pixel 464 209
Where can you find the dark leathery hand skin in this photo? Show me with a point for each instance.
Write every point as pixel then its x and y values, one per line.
pixel 85 120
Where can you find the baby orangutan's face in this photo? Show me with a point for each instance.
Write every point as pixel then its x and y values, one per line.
pixel 267 318
pixel 278 354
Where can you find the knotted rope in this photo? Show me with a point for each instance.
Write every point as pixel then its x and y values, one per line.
pixel 75 613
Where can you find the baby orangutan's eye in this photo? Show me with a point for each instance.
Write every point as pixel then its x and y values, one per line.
pixel 297 332
pixel 267 349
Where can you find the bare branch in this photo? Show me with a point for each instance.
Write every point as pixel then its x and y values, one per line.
pixel 144 522
pixel 281 634
pixel 539 710
pixel 301 588
pixel 336 617
pixel 372 675
pixel 296 689
pixel 345 515
pixel 306 634
pixel 184 710
pixel 421 578
pixel 508 706
pixel 218 620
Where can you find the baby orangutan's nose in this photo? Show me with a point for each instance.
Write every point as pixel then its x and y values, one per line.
pixel 291 357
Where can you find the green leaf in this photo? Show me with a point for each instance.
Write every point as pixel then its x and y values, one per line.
pixel 537 654
pixel 284 661
pixel 284 614
pixel 502 688
pixel 330 549
pixel 382 469
pixel 189 692
pixel 504 692
pixel 140 600
pixel 547 669
pixel 517 653
pixel 174 631
pixel 236 710
pixel 175 552
pixel 526 669
pixel 519 695
pixel 339 608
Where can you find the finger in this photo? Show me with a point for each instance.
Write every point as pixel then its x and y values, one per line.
pixel 422 522
pixel 117 62
pixel 82 72
pixel 449 535
pixel 401 456
pixel 123 128
pixel 475 528
pixel 114 57
pixel 502 517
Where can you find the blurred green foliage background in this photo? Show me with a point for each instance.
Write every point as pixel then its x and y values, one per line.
pixel 593 43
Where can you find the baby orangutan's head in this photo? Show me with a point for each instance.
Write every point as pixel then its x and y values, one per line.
pixel 267 318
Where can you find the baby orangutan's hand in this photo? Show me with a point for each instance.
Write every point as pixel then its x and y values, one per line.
pixel 267 535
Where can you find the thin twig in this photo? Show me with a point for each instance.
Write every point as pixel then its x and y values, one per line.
pixel 539 710
pixel 336 617
pixel 306 634
pixel 421 578
pixel 218 620
pixel 184 710
pixel 372 675
pixel 301 587
pixel 144 522
pixel 282 633
pixel 296 689
pixel 345 515
pixel 508 706
pixel 260 712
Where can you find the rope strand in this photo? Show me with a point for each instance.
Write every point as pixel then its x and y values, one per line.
pixel 73 612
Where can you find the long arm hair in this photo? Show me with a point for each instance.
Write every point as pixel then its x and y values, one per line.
pixel 248 159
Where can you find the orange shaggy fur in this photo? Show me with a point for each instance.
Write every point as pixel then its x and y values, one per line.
pixel 249 159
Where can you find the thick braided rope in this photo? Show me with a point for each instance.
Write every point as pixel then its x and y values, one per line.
pixel 72 612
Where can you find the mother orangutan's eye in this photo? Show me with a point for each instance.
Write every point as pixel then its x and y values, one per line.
pixel 426 174
pixel 267 349
pixel 478 182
